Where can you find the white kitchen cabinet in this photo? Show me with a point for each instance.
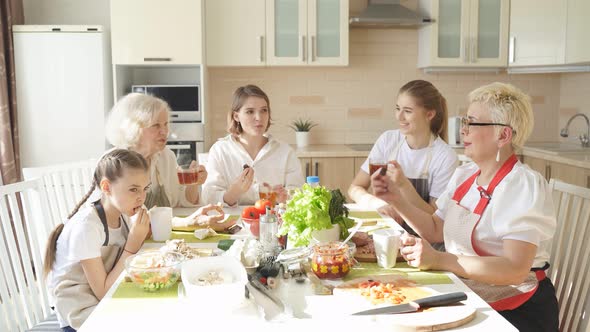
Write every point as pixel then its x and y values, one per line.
pixel 537 32
pixel 465 33
pixel 577 48
pixel 307 32
pixel 151 32
pixel 235 32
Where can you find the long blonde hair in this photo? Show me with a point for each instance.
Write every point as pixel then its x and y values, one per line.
pixel 111 167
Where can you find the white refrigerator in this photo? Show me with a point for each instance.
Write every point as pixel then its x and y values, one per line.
pixel 63 82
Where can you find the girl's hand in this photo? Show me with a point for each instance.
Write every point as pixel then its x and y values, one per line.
pixel 282 193
pixel 384 188
pixel 243 182
pixel 138 231
pixel 418 252
pixel 395 173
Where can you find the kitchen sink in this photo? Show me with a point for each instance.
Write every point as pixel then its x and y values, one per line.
pixel 360 147
pixel 557 147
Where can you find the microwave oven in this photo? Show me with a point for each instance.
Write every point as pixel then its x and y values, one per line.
pixel 183 100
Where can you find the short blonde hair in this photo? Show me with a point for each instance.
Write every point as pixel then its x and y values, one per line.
pixel 508 105
pixel 239 99
pixel 129 115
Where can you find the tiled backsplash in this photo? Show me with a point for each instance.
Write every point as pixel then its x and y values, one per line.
pixel 355 104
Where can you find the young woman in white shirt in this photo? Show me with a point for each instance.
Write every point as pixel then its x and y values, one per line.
pixel 249 158
pixel 140 122
pixel 496 216
pixel 423 160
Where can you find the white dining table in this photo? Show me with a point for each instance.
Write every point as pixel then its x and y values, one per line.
pixel 303 309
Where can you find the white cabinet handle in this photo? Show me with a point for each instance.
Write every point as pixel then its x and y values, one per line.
pixel 157 59
pixel 465 55
pixel 303 49
pixel 261 41
pixel 511 49
pixel 473 53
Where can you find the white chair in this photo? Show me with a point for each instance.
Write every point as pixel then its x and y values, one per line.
pixel 24 231
pixel 570 252
pixel 64 184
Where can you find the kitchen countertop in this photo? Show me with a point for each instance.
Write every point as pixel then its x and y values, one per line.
pixel 570 156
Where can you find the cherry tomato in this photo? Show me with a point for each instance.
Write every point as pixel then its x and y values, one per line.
pixel 261 205
pixel 250 212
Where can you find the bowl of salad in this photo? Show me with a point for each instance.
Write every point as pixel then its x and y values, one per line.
pixel 154 270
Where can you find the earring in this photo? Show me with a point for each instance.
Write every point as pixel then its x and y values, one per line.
pixel 498 156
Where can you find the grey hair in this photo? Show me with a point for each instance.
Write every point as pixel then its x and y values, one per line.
pixel 129 115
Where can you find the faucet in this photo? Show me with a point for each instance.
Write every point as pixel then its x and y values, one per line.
pixel 584 138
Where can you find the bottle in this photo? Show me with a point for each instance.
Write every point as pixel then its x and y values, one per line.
pixel 269 228
pixel 313 181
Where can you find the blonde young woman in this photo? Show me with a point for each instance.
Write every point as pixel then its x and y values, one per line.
pixel 424 161
pixel 496 216
pixel 269 162
pixel 140 123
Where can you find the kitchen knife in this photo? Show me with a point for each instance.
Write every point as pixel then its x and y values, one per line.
pixel 431 301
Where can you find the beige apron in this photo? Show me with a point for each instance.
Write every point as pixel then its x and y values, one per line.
pixel 156 196
pixel 459 230
pixel 74 299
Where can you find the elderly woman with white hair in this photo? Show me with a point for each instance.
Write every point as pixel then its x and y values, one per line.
pixel 496 216
pixel 139 122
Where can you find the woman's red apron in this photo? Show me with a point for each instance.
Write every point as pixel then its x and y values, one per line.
pixel 459 234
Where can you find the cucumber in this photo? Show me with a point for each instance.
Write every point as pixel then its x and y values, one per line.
pixel 225 244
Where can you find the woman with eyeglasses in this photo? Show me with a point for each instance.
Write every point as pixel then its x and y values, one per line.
pixel 496 216
pixel 422 162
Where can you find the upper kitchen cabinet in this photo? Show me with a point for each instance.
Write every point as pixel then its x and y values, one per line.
pixel 577 48
pixel 465 34
pixel 154 32
pixel 537 32
pixel 235 32
pixel 307 32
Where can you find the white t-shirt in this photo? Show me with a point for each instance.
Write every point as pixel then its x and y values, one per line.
pixel 275 164
pixel 521 209
pixel 81 238
pixel 442 165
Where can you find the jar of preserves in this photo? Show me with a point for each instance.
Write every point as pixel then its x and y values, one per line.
pixel 329 261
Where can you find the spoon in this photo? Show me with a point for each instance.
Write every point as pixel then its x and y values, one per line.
pixel 354 230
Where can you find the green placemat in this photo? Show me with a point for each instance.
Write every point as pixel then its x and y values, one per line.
pixel 128 290
pixel 412 273
pixel 364 215
pixel 189 236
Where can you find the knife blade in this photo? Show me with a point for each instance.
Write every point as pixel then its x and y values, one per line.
pixel 431 301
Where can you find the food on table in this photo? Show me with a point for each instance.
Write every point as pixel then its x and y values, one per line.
pixel 384 289
pixel 213 277
pixel 360 239
pixel 328 261
pixel 181 247
pixel 154 270
pixel 365 248
pixel 261 205
pixel 245 166
pixel 250 212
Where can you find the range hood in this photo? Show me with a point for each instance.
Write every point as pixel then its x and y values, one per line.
pixel 385 14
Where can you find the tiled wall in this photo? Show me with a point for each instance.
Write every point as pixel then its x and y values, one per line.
pixel 355 104
pixel 574 98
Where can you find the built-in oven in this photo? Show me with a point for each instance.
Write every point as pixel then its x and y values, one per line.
pixel 186 137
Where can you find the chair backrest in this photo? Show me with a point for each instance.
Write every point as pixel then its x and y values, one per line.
pixel 24 300
pixel 570 252
pixel 64 185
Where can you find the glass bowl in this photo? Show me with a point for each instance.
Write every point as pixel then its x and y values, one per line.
pixel 253 225
pixel 154 270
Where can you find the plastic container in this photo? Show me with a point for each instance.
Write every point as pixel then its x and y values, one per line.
pixel 154 270
pixel 330 262
pixel 313 181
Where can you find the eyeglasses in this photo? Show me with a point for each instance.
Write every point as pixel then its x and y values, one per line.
pixel 465 123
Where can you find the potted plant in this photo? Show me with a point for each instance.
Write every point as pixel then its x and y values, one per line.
pixel 302 128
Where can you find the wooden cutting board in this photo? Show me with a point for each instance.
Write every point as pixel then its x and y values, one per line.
pixel 431 319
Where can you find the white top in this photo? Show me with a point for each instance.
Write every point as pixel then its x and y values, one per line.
pixel 442 165
pixel 275 164
pixel 521 209
pixel 81 238
pixel 165 161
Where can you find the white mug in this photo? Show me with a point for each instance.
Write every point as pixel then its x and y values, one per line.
pixel 161 222
pixel 387 242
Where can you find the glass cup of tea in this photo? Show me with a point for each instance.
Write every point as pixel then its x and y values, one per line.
pixel 187 175
pixel 376 163
pixel 266 192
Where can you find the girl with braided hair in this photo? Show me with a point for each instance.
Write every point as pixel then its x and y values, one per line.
pixel 86 254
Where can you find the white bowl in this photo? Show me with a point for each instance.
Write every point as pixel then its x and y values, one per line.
pixel 229 294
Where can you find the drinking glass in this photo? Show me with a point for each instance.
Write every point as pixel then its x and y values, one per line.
pixel 375 163
pixel 187 175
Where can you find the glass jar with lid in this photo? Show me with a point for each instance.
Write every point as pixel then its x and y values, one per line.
pixel 330 261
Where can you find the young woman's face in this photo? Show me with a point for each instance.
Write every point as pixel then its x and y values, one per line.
pixel 413 118
pixel 129 191
pixel 154 136
pixel 253 116
pixel 480 141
